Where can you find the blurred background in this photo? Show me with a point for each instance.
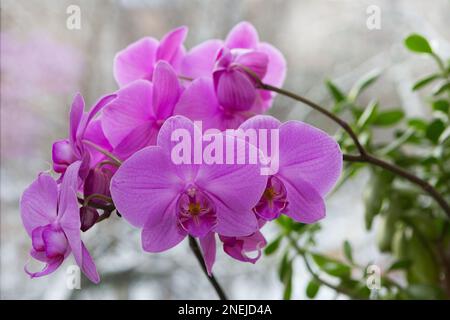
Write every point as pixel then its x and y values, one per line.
pixel 43 64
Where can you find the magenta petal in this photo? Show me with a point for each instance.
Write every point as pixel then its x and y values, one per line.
pixel 261 122
pixel 199 102
pixel 88 217
pixel 255 61
pixel 50 267
pixel 240 248
pixel 276 67
pixel 243 35
pixel 136 61
pixel 69 212
pixel 208 245
pixel 94 133
pixel 171 45
pixel 310 154
pixel 88 265
pixel 235 91
pixel 199 61
pixel 145 185
pixel 55 242
pixel 88 117
pixel 305 204
pixel 162 231
pixel 236 188
pixel 140 137
pixel 62 155
pixel 76 113
pixel 131 108
pixel 39 202
pixel 36 239
pixel 166 90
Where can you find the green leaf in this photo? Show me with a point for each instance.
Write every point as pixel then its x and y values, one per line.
pixel 312 288
pixel 285 266
pixel 434 130
pixel 273 246
pixel 362 84
pixel 417 124
pixel 348 251
pixel 368 116
pixel 288 287
pixel 418 43
pixel 285 274
pixel 331 266
pixel 441 105
pixel 337 94
pixel 400 265
pixel 425 81
pixel 442 89
pixel 388 117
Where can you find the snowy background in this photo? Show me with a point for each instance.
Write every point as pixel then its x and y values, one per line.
pixel 43 64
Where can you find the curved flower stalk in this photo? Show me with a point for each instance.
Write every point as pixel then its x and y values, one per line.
pixel 51 217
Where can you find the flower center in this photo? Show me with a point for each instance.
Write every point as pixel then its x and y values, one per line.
pixel 196 212
pixel 273 201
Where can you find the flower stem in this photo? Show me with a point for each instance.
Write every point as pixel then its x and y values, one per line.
pixel 364 155
pixel 198 254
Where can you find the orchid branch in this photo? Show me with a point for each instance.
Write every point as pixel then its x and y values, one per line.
pixel 364 156
pixel 198 254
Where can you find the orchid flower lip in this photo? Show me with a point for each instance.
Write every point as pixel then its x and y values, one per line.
pixel 196 212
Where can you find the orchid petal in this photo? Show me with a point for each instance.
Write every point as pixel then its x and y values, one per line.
pixel 69 212
pixel 50 267
pixel 170 46
pixel 256 61
pixel 76 114
pixel 162 231
pixel 145 185
pixel 131 108
pixel 135 61
pixel 199 103
pixel 310 154
pixel 88 265
pixel 235 90
pixel 208 245
pixel 140 137
pixel 200 60
pixel 243 35
pixel 166 90
pixel 305 204
pixel 39 202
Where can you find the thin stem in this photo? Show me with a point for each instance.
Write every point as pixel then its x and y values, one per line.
pixel 403 173
pixel 316 277
pixel 93 196
pixel 363 156
pixel 198 254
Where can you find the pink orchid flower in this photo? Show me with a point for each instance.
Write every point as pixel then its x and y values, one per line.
pixel 222 80
pixel 310 163
pixel 83 126
pixel 138 60
pixel 132 121
pixel 170 201
pixel 51 217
